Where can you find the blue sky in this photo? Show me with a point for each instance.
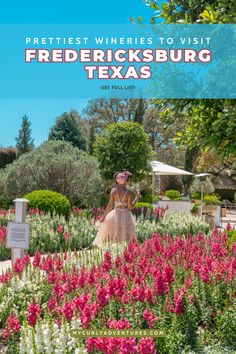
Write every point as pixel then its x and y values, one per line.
pixel 43 112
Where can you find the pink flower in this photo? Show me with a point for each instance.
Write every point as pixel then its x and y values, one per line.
pixel 37 259
pixel 13 323
pixel 18 266
pixel 67 235
pixel 146 346
pixel 60 229
pixel 68 310
pixel 149 316
pixel 33 312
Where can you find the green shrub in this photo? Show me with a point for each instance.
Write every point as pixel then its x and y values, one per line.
pixel 49 202
pixel 194 209
pixel 55 166
pixel 211 200
pixel 140 205
pixel 5 202
pixel 196 195
pixel 147 198
pixel 173 194
pixel 227 325
pixel 235 197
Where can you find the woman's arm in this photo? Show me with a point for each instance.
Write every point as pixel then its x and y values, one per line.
pixel 131 203
pixel 109 206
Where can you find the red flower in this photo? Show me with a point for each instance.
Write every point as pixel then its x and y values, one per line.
pixel 33 312
pixel 60 229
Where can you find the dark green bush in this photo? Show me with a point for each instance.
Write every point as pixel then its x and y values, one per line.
pixel 226 194
pixel 49 202
pixel 173 194
pixel 194 209
pixel 5 202
pixel 7 156
pixel 147 198
pixel 196 195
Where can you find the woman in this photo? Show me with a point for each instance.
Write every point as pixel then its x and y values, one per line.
pixel 117 224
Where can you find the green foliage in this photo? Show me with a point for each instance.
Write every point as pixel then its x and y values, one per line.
pixel 49 202
pixel 231 238
pixel 227 194
pixel 208 186
pixel 196 195
pixel 67 128
pixel 173 183
pixel 56 166
pixel 173 194
pixel 140 205
pixel 194 209
pixel 204 11
pixel 24 141
pixel 148 198
pixel 7 155
pixel 211 123
pixel 211 200
pixel 235 197
pixel 123 146
pixel 227 325
pixel 5 202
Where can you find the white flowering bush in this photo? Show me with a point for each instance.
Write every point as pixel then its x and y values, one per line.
pixel 48 337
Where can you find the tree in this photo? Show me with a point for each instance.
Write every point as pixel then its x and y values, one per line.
pixel 123 146
pixel 204 11
pixel 67 128
pixel 24 142
pixel 162 135
pixel 7 155
pixel 107 111
pixel 55 166
pixel 211 123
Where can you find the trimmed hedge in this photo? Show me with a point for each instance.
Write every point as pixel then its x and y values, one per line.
pixel 196 195
pixel 49 202
pixel 173 194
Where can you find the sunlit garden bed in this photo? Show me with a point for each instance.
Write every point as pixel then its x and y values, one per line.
pixel 182 285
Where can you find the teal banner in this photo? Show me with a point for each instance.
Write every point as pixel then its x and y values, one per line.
pixel 133 61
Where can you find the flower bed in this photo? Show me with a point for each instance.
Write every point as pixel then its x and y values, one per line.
pixel 183 285
pixel 52 234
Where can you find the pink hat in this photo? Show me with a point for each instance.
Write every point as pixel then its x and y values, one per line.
pixel 121 178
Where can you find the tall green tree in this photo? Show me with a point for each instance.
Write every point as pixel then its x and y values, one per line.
pixel 123 146
pixel 24 141
pixel 68 128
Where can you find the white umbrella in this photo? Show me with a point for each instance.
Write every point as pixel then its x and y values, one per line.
pixel 162 169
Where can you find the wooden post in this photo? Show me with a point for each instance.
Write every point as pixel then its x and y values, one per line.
pixel 20 213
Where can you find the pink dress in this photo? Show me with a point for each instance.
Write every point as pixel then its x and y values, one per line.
pixel 118 226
